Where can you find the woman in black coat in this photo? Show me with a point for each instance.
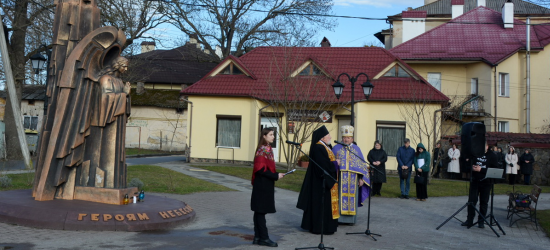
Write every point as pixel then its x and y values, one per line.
pixel 526 162
pixel 377 158
pixel 263 187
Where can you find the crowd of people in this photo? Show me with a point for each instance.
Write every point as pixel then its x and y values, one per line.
pixel 514 165
pixel 343 179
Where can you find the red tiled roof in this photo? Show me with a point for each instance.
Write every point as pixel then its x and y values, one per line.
pixel 414 14
pixel 476 35
pixel 272 67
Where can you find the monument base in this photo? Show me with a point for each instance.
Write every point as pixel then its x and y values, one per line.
pixel 104 195
pixel 155 213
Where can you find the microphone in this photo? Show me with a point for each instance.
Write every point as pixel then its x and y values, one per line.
pixel 341 143
pixel 293 143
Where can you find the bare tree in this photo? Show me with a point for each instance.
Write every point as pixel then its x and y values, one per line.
pixel 138 19
pixel 22 18
pixel 238 24
pixel 423 116
pixel 301 103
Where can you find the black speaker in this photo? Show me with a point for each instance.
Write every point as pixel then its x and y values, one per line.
pixel 473 139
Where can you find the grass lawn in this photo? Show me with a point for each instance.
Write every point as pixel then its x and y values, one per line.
pixel 437 187
pixel 155 179
pixel 138 151
pixel 544 220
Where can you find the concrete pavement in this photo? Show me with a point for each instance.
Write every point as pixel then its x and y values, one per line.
pixel 224 221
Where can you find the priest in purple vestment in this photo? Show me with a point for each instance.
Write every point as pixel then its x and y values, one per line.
pixel 354 179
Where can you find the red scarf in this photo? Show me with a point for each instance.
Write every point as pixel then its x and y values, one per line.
pixel 263 159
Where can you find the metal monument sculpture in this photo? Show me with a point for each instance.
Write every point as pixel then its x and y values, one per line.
pixel 81 150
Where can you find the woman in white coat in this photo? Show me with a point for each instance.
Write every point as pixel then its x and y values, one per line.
pixel 454 165
pixel 512 166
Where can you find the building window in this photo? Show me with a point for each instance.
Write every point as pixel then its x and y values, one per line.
pixel 311 70
pixel 474 88
pixel 30 102
pixel 504 84
pixel 232 69
pixel 504 127
pixel 391 136
pixel 435 80
pixel 397 71
pixel 30 122
pixel 228 131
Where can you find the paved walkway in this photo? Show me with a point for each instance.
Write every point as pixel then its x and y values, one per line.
pixel 224 221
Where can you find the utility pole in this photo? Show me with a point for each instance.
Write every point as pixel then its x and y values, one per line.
pixel 13 98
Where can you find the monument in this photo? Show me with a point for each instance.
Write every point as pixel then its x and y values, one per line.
pixel 81 154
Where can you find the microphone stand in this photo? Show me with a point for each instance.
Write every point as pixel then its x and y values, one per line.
pixel 321 244
pixel 367 232
pixel 470 204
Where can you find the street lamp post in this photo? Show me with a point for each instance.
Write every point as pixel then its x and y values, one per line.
pixel 339 87
pixel 37 61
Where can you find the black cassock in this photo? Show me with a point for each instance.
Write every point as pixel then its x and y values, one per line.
pixel 312 191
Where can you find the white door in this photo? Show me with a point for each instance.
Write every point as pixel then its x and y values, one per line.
pixel 268 122
pixel 475 88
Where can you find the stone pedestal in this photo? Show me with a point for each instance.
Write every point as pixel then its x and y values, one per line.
pixel 104 195
pixel 155 213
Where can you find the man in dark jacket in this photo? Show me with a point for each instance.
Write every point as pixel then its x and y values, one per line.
pixel 526 162
pixel 480 188
pixel 405 158
pixel 437 161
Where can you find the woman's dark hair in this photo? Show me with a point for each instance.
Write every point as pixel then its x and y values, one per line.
pixel 418 151
pixel 511 149
pixel 262 141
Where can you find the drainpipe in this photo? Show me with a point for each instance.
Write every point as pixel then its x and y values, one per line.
pixel 496 97
pixel 528 80
pixel 188 159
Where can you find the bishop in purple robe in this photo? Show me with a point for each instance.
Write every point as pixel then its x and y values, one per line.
pixel 353 177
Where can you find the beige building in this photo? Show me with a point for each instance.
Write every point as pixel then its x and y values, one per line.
pixel 285 88
pixel 415 21
pixel 481 65
pixel 159 118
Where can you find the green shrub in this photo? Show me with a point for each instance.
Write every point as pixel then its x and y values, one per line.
pixel 136 182
pixel 5 181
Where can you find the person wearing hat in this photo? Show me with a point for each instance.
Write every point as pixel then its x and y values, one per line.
pixel 354 179
pixel 319 214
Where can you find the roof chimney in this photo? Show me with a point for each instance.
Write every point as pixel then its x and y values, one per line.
pixel 429 1
pixel 508 14
pixel 414 23
pixel 194 39
pixel 147 46
pixel 325 42
pixel 481 3
pixel 457 8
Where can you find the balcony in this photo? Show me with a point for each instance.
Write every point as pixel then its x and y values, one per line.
pixel 466 106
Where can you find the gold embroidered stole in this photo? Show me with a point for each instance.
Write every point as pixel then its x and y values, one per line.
pixel 334 189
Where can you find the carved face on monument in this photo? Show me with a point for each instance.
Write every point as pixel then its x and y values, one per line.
pixel 121 64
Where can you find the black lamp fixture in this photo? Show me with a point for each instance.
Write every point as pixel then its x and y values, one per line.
pixel 367 89
pixel 339 88
pixel 37 61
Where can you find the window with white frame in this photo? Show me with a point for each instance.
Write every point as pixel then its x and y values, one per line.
pixel 391 135
pixel 228 131
pixel 503 126
pixel 435 80
pixel 30 122
pixel 504 84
